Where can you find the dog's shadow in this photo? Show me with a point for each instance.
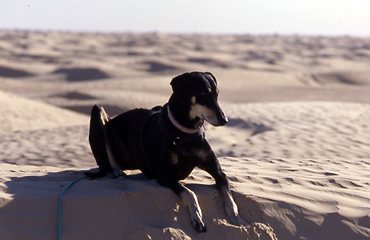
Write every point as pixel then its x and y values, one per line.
pixel 121 204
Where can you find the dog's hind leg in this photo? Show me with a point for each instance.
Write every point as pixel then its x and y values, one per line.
pixel 97 143
pixel 107 133
pixel 100 144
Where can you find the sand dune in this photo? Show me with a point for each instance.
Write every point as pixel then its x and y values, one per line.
pixel 296 148
pixel 22 114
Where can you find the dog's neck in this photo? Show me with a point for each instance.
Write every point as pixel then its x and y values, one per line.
pixel 180 126
pixel 179 115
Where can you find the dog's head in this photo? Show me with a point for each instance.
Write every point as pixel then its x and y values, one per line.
pixel 199 91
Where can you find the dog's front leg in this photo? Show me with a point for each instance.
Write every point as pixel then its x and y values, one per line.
pixel 212 166
pixel 191 201
pixel 230 206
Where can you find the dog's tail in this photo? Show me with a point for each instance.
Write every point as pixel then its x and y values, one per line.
pixel 97 140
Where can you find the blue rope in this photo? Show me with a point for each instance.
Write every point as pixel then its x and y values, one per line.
pixel 60 204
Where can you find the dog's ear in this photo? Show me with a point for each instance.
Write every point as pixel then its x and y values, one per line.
pixel 179 83
pixel 210 75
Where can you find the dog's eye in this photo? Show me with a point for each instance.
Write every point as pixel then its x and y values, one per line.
pixel 204 93
pixel 217 91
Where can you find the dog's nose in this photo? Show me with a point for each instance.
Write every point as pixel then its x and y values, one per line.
pixel 223 120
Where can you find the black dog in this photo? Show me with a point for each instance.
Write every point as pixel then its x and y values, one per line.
pixel 166 143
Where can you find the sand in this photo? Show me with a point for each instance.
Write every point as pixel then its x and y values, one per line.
pixel 296 148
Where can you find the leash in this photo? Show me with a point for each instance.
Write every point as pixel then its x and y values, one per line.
pixel 60 204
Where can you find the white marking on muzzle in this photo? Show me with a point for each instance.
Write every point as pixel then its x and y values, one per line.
pixel 205 113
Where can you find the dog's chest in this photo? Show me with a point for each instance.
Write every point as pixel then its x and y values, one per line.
pixel 187 153
pixel 188 157
pixel 180 167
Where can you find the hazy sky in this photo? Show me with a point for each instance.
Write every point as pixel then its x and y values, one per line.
pixel 318 17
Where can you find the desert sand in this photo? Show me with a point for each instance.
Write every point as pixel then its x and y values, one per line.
pixel 296 148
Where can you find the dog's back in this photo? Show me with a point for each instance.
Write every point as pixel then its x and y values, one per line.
pixel 117 139
pixel 128 126
pixel 132 129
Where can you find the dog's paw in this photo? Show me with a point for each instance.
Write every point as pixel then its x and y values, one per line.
pixel 233 213
pixel 198 225
pixel 236 220
pixel 117 174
